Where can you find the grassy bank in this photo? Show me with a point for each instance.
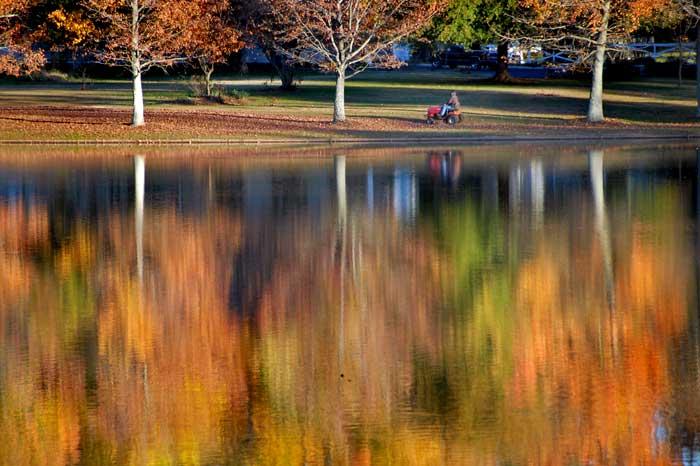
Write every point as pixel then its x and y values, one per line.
pixel 380 105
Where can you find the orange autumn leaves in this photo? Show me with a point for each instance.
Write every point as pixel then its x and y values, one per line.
pixel 77 28
pixel 587 15
pixel 18 56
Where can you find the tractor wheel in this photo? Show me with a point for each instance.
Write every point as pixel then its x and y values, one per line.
pixel 430 121
pixel 451 120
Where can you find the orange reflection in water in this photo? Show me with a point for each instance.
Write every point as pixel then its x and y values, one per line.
pixel 348 338
pixel 605 399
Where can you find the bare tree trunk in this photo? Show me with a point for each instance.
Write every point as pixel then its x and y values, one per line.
pixel 207 79
pixel 502 74
pixel 137 118
pixel 339 105
pixel 595 104
pixel 284 69
pixel 207 71
pixel 83 79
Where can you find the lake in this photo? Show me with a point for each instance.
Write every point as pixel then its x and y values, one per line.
pixel 483 305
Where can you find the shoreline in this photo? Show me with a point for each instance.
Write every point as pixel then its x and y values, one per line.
pixel 607 137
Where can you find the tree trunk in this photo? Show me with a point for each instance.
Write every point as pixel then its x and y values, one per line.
pixel 207 71
pixel 595 104
pixel 284 70
pixel 681 58
pixel 83 78
pixel 207 79
pixel 339 106
pixel 697 69
pixel 502 74
pixel 137 117
pixel 286 74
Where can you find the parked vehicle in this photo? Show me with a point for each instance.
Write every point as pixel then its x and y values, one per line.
pixel 456 56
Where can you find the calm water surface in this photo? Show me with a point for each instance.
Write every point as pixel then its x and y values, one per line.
pixel 436 308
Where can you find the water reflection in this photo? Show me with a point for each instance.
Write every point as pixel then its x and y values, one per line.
pixel 426 310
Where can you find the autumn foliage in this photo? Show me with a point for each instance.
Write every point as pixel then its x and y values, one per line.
pixel 581 20
pixel 17 56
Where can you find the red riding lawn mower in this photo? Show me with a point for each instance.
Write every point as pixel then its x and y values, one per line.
pixel 451 118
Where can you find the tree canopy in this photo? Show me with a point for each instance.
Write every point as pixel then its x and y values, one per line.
pixel 17 56
pixel 468 21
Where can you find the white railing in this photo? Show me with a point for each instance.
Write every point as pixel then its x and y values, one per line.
pixel 651 50
pixel 654 50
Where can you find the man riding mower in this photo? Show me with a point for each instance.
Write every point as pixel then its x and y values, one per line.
pixel 449 113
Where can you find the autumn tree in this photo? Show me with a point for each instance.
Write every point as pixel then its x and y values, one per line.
pixel 142 34
pixel 17 57
pixel 263 28
pixel 468 21
pixel 346 37
pixel 213 37
pixel 586 29
pixel 67 28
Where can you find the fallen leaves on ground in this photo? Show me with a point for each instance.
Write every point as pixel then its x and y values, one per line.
pixel 96 123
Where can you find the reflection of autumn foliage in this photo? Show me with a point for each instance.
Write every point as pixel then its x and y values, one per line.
pixel 41 390
pixel 171 368
pixel 363 341
pixel 341 322
pixel 592 377
pixel 24 228
pixel 163 356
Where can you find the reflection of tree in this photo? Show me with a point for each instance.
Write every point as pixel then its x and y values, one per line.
pixel 168 353
pixel 595 159
pixel 41 386
pixel 24 228
pixel 334 372
pixel 477 348
pixel 139 202
pixel 157 359
pixel 589 387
